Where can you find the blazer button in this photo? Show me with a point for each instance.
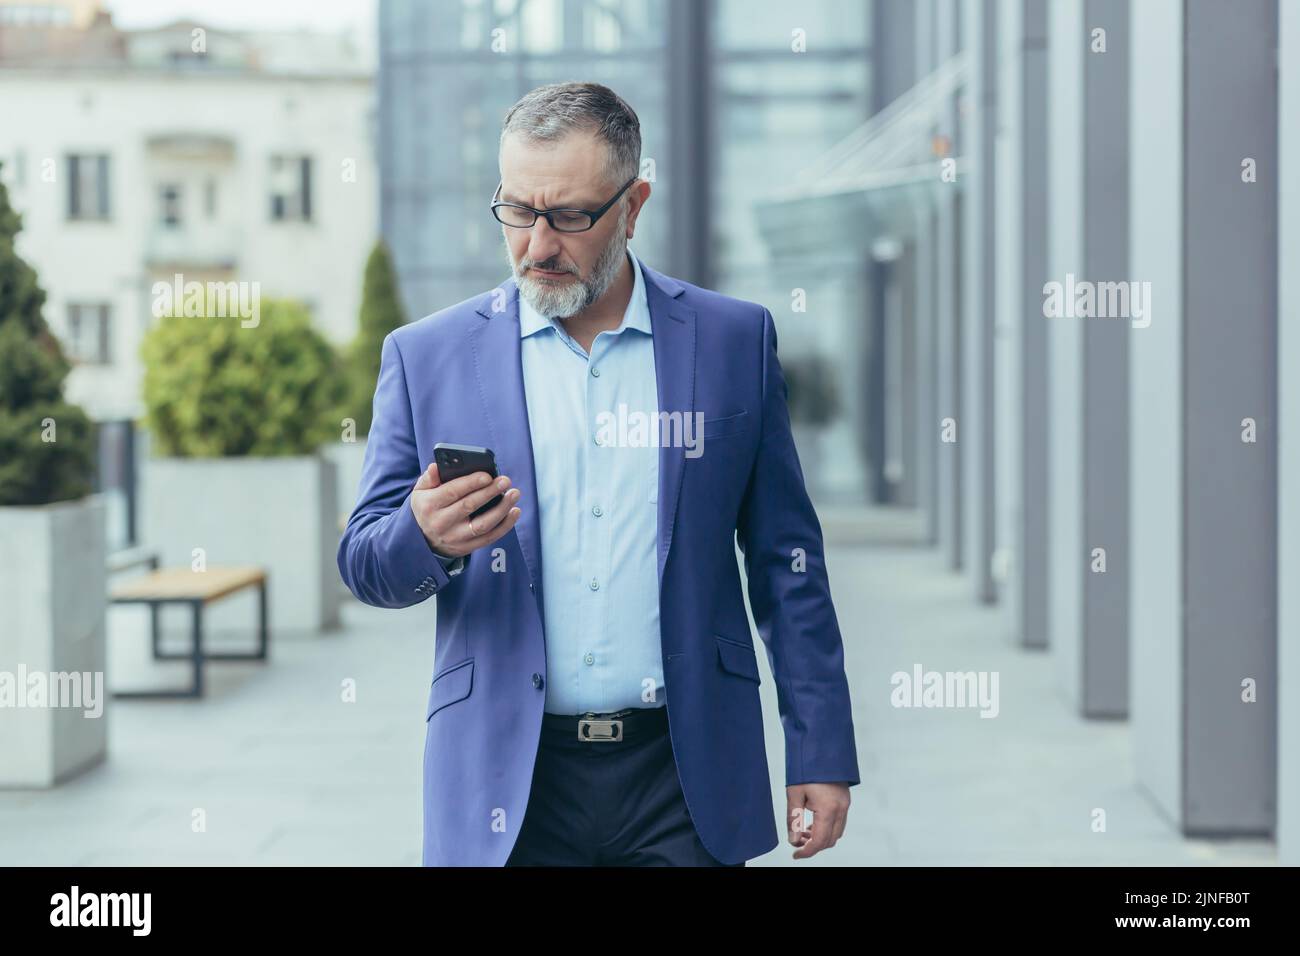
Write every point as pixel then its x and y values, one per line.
pixel 537 680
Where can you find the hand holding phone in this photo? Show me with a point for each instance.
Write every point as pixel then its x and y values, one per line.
pixel 460 502
pixel 457 461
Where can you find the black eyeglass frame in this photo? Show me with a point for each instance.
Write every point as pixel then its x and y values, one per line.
pixel 593 214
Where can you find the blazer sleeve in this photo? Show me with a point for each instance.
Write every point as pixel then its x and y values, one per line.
pixel 384 558
pixel 789 594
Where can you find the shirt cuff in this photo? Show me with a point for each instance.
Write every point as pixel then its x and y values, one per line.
pixel 452 566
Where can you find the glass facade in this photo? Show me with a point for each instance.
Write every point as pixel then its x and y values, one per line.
pixel 790 83
pixel 776 87
pixel 448 74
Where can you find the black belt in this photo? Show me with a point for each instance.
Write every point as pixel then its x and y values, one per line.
pixel 626 724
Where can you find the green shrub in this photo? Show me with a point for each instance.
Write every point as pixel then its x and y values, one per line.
pixel 381 312
pixel 46 445
pixel 213 388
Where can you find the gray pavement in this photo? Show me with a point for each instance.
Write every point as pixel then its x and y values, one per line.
pixel 274 767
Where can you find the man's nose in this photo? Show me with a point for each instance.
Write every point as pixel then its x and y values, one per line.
pixel 543 243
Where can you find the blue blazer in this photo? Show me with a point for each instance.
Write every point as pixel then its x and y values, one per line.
pixel 455 376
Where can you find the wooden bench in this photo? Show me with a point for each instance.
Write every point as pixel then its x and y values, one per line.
pixel 197 589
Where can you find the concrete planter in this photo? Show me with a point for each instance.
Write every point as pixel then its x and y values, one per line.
pixel 277 513
pixel 348 458
pixel 53 697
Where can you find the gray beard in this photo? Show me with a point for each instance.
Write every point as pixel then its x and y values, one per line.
pixel 575 296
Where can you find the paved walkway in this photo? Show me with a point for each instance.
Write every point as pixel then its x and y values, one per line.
pixel 281 771
pixel 948 787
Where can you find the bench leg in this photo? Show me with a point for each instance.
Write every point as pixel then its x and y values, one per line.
pixel 263 638
pixel 154 612
pixel 195 655
pixel 197 649
pixel 263 634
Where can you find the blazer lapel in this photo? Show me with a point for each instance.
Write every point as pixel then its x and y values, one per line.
pixel 673 329
pixel 494 345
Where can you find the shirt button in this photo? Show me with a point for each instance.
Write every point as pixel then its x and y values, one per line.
pixel 537 680
pixel 595 372
pixel 589 659
pixel 595 585
pixel 596 511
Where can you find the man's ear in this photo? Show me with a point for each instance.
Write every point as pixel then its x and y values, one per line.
pixel 638 206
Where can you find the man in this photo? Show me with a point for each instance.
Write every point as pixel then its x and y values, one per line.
pixel 595 689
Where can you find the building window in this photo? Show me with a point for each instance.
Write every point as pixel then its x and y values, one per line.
pixel 291 188
pixel 89 333
pixel 34 15
pixel 88 186
pixel 169 204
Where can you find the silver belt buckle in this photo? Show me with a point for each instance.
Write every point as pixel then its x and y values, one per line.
pixel 591 729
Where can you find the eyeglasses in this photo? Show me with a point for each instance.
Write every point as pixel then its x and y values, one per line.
pixel 562 220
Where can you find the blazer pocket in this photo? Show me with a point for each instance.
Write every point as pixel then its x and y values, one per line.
pixel 453 684
pixel 737 658
pixel 717 427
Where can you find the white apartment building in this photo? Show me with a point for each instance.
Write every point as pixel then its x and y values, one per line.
pixel 137 156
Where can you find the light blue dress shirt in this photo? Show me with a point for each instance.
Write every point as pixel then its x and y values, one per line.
pixel 598 492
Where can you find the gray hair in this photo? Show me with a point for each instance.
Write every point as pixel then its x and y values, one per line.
pixel 550 113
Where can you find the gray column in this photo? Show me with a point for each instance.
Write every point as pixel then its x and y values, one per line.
pixel 1065 338
pixel 976 427
pixel 1104 667
pixel 878 296
pixel 1155 397
pixel 1021 356
pixel 691 147
pixel 893 74
pixel 925 435
pixel 1288 386
pixel 1033 564
pixel 1204 510
pixel 1008 323
pixel 1088 353
pixel 948 328
pixel 900 465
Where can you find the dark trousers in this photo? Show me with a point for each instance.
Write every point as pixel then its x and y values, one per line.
pixel 606 802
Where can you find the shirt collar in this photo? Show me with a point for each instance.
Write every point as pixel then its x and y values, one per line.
pixel 636 316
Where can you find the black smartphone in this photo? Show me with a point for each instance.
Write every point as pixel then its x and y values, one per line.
pixel 456 461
